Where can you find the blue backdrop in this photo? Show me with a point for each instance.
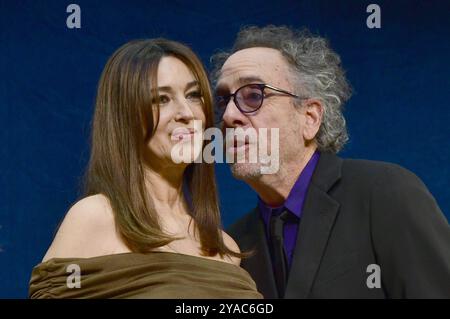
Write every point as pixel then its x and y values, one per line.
pixel 399 112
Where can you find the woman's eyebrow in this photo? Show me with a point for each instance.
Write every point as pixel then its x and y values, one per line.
pixel 191 84
pixel 170 89
pixel 165 88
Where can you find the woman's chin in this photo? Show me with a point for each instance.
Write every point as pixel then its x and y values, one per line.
pixel 185 153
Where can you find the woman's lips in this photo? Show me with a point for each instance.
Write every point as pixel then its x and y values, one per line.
pixel 181 133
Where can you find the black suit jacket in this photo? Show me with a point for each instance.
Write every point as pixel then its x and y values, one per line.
pixel 358 213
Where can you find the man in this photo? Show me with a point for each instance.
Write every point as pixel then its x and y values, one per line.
pixel 324 227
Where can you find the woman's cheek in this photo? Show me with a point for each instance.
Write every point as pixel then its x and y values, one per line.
pixel 200 115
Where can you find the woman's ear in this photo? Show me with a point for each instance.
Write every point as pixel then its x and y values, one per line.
pixel 313 118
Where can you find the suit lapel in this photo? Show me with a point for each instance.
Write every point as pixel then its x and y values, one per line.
pixel 318 216
pixel 259 265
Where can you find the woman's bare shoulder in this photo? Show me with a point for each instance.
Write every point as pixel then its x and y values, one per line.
pixel 88 230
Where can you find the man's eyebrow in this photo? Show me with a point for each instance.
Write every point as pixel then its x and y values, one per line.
pixel 242 81
pixel 250 79
pixel 220 88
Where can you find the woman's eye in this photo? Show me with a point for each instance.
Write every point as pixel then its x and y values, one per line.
pixel 163 99
pixel 195 96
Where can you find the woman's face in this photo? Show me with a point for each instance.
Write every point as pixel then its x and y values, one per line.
pixel 176 139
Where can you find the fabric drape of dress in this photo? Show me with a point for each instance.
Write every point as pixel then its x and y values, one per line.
pixel 136 275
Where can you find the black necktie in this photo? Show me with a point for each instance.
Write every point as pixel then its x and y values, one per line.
pixel 277 248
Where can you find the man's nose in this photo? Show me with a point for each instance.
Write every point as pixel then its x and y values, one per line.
pixel 232 116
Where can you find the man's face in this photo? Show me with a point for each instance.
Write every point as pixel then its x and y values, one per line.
pixel 268 66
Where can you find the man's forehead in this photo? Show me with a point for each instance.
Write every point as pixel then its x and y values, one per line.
pixel 250 63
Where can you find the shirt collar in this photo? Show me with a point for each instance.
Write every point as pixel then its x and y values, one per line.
pixel 296 198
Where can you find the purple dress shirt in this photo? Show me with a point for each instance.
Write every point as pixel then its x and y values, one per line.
pixel 294 203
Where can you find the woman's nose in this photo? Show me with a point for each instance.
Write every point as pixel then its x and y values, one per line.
pixel 184 111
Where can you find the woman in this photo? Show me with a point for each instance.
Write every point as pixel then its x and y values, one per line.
pixel 148 225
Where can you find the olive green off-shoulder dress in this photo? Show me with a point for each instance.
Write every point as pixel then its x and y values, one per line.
pixel 137 275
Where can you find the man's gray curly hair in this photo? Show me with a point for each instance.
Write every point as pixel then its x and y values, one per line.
pixel 316 71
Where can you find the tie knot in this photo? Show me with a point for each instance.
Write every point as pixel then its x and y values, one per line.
pixel 277 223
pixel 284 215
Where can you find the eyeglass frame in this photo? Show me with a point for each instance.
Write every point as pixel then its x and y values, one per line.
pixel 261 86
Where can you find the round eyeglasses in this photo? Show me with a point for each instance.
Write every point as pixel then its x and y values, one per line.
pixel 248 98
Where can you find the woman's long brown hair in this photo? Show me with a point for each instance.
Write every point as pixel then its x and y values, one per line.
pixel 123 124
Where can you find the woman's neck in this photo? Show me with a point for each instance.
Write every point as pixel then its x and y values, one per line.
pixel 165 187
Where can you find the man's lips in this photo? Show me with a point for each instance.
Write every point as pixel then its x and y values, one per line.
pixel 239 143
pixel 241 140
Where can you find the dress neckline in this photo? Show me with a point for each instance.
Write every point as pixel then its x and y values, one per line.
pixel 167 253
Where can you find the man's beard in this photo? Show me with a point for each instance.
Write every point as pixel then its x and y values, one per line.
pixel 246 171
pixel 250 170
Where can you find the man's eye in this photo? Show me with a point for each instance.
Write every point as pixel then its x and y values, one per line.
pixel 254 96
